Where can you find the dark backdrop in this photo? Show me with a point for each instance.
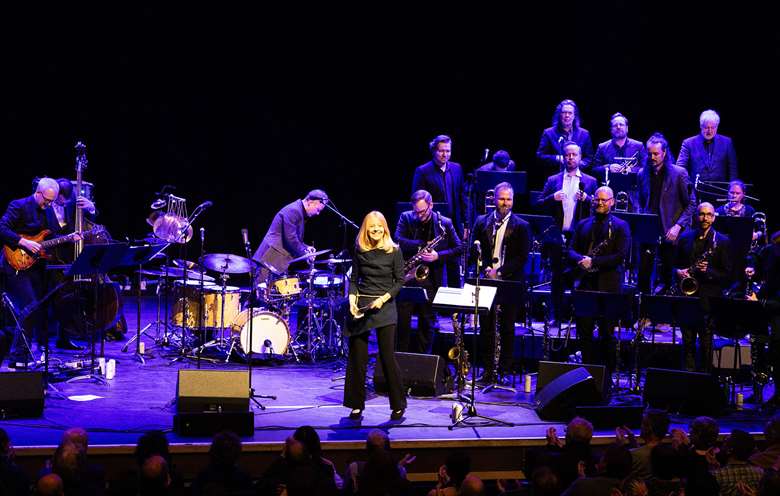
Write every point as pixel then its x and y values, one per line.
pixel 250 108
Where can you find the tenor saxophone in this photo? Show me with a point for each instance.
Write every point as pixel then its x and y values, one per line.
pixel 458 353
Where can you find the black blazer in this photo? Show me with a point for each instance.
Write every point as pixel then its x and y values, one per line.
pixel 678 199
pixel 409 233
pixel 722 166
pixel 284 239
pixel 718 274
pixel 23 216
pixel 555 208
pixel 550 146
pixel 428 177
pixel 610 263
pixel 516 241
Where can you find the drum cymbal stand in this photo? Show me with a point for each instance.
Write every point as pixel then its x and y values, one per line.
pixel 314 324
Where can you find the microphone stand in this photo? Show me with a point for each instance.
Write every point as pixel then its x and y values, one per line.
pixel 471 408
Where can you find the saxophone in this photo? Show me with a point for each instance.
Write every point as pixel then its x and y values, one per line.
pixel 458 353
pixel 413 269
pixel 689 286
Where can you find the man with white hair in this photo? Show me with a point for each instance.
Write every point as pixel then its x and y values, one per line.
pixel 709 155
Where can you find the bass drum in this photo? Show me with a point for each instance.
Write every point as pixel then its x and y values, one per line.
pixel 270 332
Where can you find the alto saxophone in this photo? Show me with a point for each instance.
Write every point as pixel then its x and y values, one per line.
pixel 458 353
pixel 413 269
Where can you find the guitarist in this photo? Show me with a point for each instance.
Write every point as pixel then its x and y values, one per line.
pixel 28 216
pixel 610 239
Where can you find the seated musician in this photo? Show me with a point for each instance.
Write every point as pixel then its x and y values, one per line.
pixel 503 239
pixel 416 229
pixel 703 269
pixel 599 248
pixel 736 206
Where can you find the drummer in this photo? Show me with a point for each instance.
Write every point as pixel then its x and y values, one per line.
pixel 284 239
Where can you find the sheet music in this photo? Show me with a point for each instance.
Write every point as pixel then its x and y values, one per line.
pixel 465 297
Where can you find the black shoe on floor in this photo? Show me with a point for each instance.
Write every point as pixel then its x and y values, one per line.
pixel 356 414
pixel 67 344
pixel 397 414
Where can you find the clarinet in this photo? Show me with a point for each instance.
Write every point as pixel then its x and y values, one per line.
pixel 497 326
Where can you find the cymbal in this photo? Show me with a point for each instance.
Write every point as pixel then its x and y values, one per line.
pixel 186 263
pixel 334 261
pixel 227 263
pixel 172 228
pixel 305 273
pixel 309 255
pixel 175 273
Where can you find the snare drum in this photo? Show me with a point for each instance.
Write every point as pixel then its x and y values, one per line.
pixel 327 284
pixel 270 332
pixel 287 286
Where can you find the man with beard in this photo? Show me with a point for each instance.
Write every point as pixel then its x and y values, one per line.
pixel 599 248
pixel 703 254
pixel 566 196
pixel 415 229
pixel 664 190
pixel 610 155
pixel 503 239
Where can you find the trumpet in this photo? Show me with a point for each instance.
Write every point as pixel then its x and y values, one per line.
pixel 490 200
pixel 626 163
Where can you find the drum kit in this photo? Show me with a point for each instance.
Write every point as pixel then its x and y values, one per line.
pixel 206 305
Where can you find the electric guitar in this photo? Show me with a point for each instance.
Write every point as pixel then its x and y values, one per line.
pixel 21 259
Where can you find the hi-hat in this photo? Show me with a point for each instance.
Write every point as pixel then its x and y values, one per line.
pixel 310 255
pixel 227 263
pixel 172 228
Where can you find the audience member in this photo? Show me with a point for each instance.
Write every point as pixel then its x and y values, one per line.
pixel 667 471
pixel 655 426
pixel 13 480
pixel 738 447
pixel 472 486
pixel 771 454
pixel 699 453
pixel 382 476
pixel 300 469
pixel 48 485
pixel 222 471
pixel 155 478
pixel 631 487
pixel 564 458
pixel 615 465
pixel 451 474
pixel 376 441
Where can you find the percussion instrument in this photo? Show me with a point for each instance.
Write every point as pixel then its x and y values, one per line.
pixel 227 263
pixel 211 307
pixel 286 286
pixel 310 255
pixel 270 332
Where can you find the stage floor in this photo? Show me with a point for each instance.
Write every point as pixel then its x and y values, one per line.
pixel 141 397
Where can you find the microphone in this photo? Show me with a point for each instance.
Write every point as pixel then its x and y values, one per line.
pixel 485 157
pixel 696 183
pixel 206 204
pixel 202 234
pixel 582 188
pixel 245 236
pixel 478 247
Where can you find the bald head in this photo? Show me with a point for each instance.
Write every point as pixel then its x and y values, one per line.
pixel 50 485
pixel 154 474
pixel 377 440
pixel 472 486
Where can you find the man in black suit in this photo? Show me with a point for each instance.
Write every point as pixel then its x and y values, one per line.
pixel 29 216
pixel 444 181
pixel 610 155
pixel 709 155
pixel 415 229
pixel 566 196
pixel 664 190
pixel 704 255
pixel 598 249
pixel 565 128
pixel 504 242
pixel 284 239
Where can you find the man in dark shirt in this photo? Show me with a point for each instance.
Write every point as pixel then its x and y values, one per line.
pixel 618 155
pixel 664 190
pixel 416 228
pixel 502 162
pixel 565 128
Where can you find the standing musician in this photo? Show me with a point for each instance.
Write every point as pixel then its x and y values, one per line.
pixel 664 190
pixel 565 128
pixel 566 196
pixel 504 242
pixel 620 154
pixel 29 216
pixel 284 239
pixel 703 259
pixel 376 278
pixel 709 155
pixel 599 248
pixel 444 181
pixel 416 229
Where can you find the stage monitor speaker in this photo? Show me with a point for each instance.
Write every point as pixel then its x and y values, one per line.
pixel 611 416
pixel 548 371
pixel 210 423
pixel 689 393
pixel 559 398
pixel 21 394
pixel 424 375
pixel 212 391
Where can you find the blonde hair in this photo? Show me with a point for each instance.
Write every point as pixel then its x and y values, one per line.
pixel 364 242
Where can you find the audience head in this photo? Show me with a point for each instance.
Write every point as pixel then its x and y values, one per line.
pixel 78 437
pixel 377 440
pixel 472 486
pixel 704 432
pixel 381 475
pixel 740 445
pixel 545 482
pixel 225 450
pixel 304 444
pixel 770 483
pixel 50 485
pixel 667 463
pixel 155 477
pixel 655 424
pixel 458 465
pixel 772 430
pixel 616 461
pixel 67 461
pixel 633 487
pixel 579 430
pixel 152 443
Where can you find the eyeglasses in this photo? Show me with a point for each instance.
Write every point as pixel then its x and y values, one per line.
pixel 601 200
pixel 46 201
pixel 422 212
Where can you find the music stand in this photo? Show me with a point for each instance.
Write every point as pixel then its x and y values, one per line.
pixel 623 181
pixel 137 256
pixel 487 180
pixel 96 261
pixel 507 293
pixel 733 319
pixel 645 230
pixel 740 233
pixel 677 310
pixel 607 307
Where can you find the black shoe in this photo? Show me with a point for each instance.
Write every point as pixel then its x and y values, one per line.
pixel 356 414
pixel 397 414
pixel 67 344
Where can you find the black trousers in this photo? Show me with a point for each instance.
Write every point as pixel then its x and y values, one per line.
pixel 357 367
pixel 606 352
pixel 666 252
pixel 426 323
pixel 25 288
pixel 487 338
